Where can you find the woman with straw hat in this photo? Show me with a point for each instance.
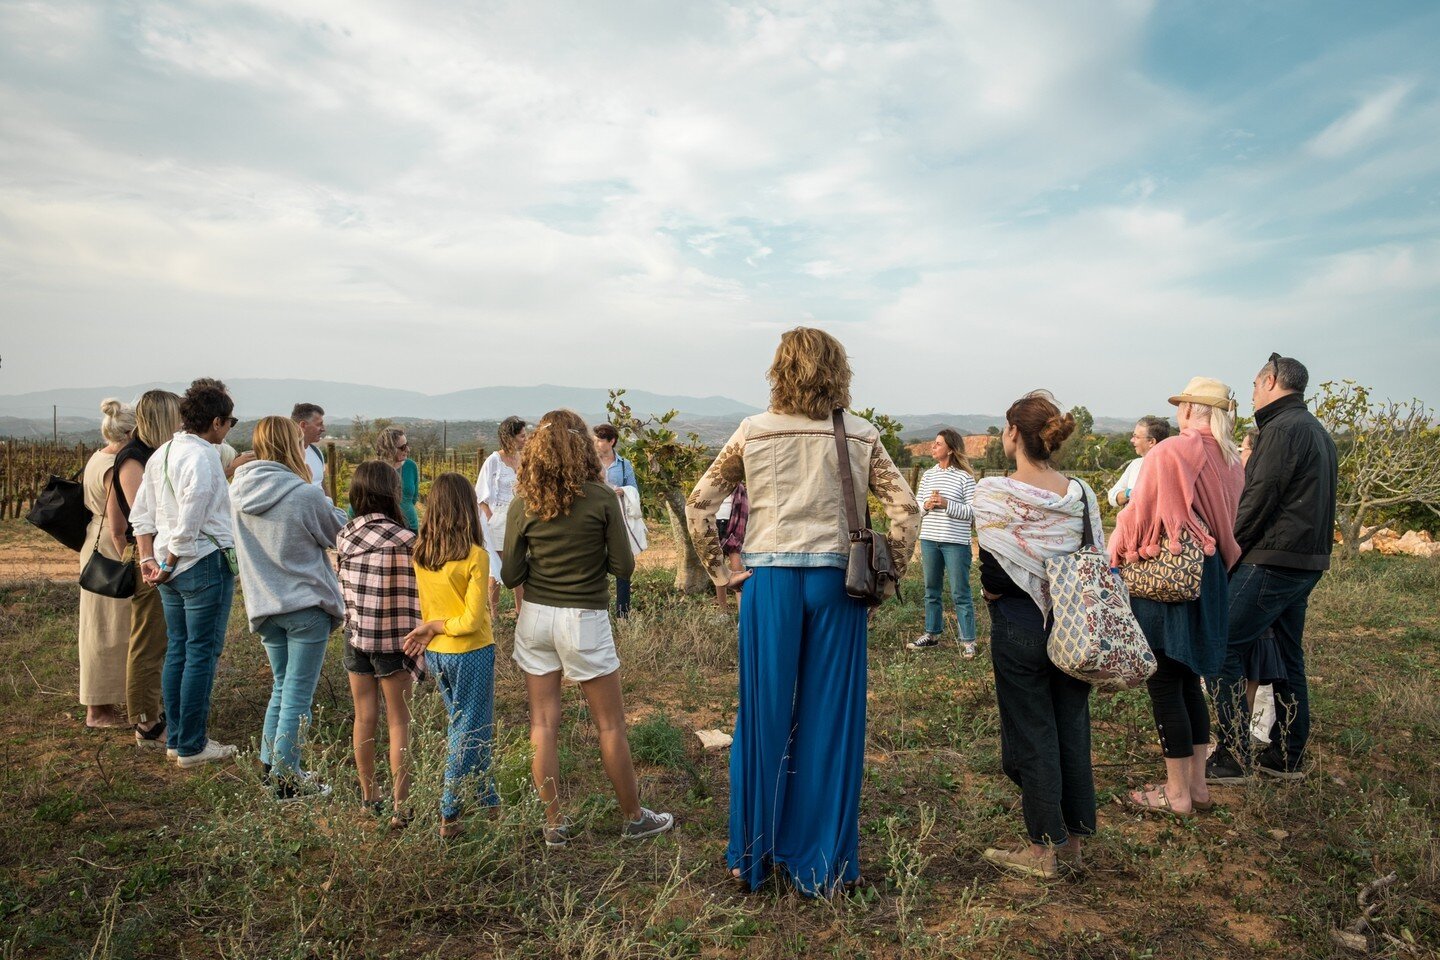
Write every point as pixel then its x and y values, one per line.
pixel 1190 485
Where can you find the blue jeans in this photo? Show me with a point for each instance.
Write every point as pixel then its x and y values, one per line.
pixel 1267 598
pixel 936 558
pixel 197 610
pixel 1044 732
pixel 295 644
pixel 467 685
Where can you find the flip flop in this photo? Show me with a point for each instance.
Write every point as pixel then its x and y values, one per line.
pixel 1143 805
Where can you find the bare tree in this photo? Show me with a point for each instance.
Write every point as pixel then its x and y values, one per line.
pixel 1389 457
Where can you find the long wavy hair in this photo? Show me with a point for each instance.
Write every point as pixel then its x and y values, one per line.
pixel 451 525
pixel 956 444
pixel 559 460
pixel 810 374
pixel 279 439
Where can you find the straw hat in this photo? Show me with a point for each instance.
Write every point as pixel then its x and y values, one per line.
pixel 1207 391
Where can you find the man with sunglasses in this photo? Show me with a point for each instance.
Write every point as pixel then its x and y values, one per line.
pixel 1286 529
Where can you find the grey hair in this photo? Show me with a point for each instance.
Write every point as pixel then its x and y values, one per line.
pixel 1289 373
pixel 1157 427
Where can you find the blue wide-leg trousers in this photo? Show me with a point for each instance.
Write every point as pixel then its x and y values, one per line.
pixel 798 759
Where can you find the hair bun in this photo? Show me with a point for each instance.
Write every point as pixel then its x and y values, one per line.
pixel 1056 431
pixel 111 407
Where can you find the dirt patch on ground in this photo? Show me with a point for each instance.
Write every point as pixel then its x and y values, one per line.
pixel 28 554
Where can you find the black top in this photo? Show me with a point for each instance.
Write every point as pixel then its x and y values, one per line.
pixel 139 451
pixel 1287 512
pixel 1017 605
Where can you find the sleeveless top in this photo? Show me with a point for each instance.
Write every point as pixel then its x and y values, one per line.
pixel 139 451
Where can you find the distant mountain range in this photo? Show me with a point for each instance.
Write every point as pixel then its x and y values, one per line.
pixel 713 418
pixel 343 401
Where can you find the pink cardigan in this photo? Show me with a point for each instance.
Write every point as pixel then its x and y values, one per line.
pixel 1183 477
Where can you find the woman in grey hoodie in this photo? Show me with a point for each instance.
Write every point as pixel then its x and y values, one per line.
pixel 283 526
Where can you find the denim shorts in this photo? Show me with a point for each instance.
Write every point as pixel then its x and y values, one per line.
pixel 377 665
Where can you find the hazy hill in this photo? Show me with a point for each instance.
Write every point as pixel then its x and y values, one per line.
pixel 256 398
pixel 712 418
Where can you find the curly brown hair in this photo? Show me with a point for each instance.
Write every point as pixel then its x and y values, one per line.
pixel 559 460
pixel 810 374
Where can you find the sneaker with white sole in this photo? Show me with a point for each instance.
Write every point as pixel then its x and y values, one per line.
pixel 213 752
pixel 968 649
pixel 649 824
pixel 925 641
pixel 307 786
pixel 558 835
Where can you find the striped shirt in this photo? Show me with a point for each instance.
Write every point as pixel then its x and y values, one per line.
pixel 952 524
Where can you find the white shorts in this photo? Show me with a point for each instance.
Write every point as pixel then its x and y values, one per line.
pixel 576 641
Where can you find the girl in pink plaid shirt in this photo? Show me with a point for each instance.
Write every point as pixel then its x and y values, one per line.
pixel 382 605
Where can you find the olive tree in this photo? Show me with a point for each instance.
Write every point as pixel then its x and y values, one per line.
pixel 1389 457
pixel 666 465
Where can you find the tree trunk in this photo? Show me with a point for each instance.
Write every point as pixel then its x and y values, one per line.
pixel 690 575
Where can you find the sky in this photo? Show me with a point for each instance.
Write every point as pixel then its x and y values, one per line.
pixel 978 198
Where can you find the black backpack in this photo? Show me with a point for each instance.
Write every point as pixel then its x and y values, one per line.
pixel 61 512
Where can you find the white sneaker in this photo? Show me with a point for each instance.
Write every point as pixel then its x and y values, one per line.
pixel 172 754
pixel 213 751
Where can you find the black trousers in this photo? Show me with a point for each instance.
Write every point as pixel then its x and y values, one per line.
pixel 1181 714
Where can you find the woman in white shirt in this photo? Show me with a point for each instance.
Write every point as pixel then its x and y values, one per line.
pixel 184 537
pixel 946 492
pixel 495 489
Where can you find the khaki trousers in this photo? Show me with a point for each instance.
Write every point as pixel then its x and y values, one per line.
pixel 148 640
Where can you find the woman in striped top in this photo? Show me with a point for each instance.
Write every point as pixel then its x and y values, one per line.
pixel 945 494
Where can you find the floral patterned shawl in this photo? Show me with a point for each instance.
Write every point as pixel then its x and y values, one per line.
pixel 1023 526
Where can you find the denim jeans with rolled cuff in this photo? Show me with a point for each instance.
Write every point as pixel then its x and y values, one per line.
pixel 937 559
pixel 197 611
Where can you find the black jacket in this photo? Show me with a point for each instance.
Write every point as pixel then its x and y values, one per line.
pixel 1287 512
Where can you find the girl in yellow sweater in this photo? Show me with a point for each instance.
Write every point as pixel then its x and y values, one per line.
pixel 452 573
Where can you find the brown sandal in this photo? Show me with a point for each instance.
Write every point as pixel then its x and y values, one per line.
pixel 1143 804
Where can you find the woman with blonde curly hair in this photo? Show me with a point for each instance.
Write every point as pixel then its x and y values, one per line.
pixel 564 536
pixel 799 753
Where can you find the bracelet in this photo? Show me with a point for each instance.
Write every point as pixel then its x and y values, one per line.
pixel 145 560
pixel 165 568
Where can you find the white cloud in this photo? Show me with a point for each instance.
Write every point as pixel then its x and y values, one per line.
pixel 1362 124
pixel 589 191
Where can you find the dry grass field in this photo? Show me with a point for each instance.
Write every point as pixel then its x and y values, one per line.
pixel 110 853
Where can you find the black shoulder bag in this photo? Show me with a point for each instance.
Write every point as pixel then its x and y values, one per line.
pixel 60 511
pixel 109 578
pixel 869 573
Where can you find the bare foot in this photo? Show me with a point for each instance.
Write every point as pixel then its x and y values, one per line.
pixel 104 717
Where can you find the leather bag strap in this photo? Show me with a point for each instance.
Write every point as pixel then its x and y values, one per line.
pixel 847 481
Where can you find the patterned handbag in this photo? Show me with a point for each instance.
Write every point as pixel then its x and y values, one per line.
pixel 1095 636
pixel 1168 577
